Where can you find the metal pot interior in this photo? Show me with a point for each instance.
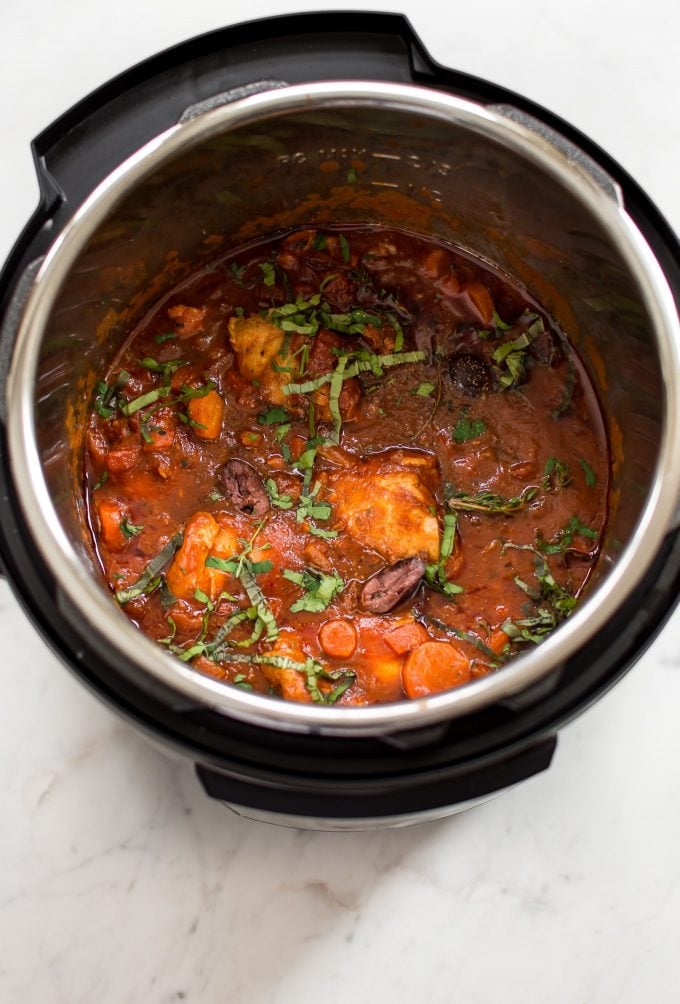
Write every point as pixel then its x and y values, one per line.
pixel 429 164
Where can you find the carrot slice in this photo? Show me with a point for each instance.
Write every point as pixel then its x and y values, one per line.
pixel 207 412
pixel 432 667
pixel 479 295
pixel 338 638
pixel 111 514
pixel 497 641
pixel 406 637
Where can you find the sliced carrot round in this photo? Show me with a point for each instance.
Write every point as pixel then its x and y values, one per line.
pixel 432 667
pixel 338 638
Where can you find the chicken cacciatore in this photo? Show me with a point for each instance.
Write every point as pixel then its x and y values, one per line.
pixel 347 466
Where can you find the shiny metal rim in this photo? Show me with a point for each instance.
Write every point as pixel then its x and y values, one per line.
pixel 94 602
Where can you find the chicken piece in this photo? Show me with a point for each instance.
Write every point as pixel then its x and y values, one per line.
pixel 289 682
pixel 264 354
pixel 322 359
pixel 203 537
pixel 386 503
pixel 256 342
pixel 188 321
pixel 111 513
pixel 381 340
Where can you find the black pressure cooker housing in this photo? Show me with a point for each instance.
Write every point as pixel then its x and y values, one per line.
pixel 315 779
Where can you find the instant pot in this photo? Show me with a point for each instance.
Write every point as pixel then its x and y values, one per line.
pixel 317 119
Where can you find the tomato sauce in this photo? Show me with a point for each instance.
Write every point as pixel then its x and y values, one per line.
pixel 347 466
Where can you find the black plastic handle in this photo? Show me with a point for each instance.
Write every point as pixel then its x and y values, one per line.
pixel 96 135
pixel 382 798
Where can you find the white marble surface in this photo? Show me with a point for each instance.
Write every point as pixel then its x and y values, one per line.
pixel 121 882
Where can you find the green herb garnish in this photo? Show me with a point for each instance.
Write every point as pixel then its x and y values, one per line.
pixel 107 400
pixel 588 473
pixel 129 530
pixel 467 428
pixel 280 501
pixel 274 416
pixel 319 589
pixel 312 670
pixel 424 390
pixel 563 539
pixel 150 577
pixel 483 501
pixel 435 574
pixel 555 475
pixel 268 273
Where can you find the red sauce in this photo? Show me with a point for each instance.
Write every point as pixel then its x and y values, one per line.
pixel 348 467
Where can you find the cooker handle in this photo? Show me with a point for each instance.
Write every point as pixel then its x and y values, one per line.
pixel 323 803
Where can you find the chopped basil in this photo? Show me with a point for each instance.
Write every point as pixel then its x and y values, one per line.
pixel 424 390
pixel 245 570
pixel 435 574
pixel 102 481
pixel 274 416
pixel 129 530
pixel 588 473
pixel 344 247
pixel 268 273
pixel 166 369
pixel 563 539
pixel 312 670
pixel 334 396
pixel 363 362
pixel 144 400
pixel 352 323
pixel 280 501
pixel 467 428
pixel 352 176
pixel 499 323
pixel 160 339
pixel 150 577
pixel 236 272
pixel 555 475
pixel 319 589
pixel 317 531
pixel 510 359
pixel 108 400
pixel 319 242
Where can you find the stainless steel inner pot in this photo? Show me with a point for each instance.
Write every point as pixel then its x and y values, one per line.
pixel 485 178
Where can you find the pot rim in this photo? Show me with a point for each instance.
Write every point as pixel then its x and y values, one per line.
pixel 93 601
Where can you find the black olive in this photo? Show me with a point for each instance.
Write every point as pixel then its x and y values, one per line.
pixel 470 374
pixel 243 487
pixel 392 584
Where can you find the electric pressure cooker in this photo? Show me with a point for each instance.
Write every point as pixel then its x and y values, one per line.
pixel 135 179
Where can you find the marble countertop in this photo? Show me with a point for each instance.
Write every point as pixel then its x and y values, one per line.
pixel 120 881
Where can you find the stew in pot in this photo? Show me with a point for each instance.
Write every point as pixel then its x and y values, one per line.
pixel 347 466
